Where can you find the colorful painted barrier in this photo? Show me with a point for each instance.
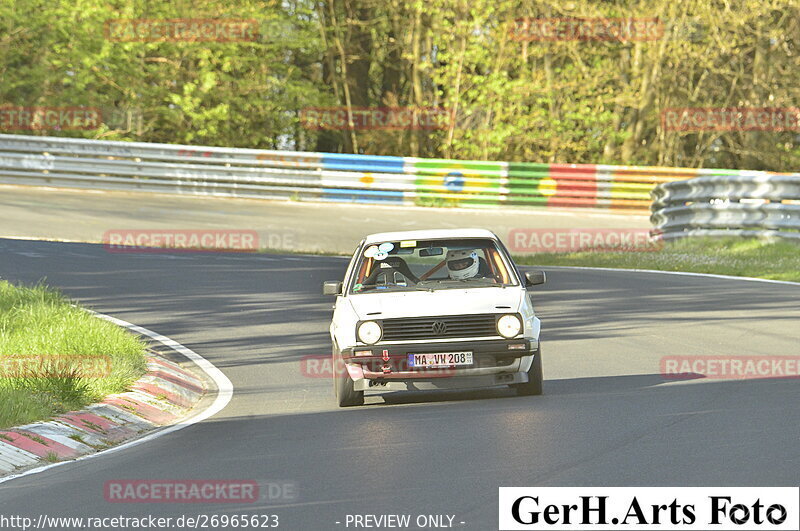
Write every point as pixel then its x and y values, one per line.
pixel 235 172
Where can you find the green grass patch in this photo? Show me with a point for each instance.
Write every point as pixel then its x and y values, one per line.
pixel 55 357
pixel 748 257
pixel 436 202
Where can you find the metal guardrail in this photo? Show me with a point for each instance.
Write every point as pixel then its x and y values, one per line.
pixel 741 205
pixel 234 172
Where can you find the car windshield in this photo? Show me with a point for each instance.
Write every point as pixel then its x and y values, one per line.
pixel 430 265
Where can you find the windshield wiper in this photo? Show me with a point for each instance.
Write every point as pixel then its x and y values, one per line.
pixel 466 283
pixel 480 281
pixel 419 287
pixel 390 288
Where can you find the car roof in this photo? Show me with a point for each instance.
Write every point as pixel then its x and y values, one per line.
pixel 429 234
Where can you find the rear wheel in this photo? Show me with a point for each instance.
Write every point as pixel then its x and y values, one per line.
pixel 346 396
pixel 535 383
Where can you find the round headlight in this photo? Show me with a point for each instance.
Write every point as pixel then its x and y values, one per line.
pixel 369 332
pixel 509 326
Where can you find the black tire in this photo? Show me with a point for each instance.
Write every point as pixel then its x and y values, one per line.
pixel 346 396
pixel 535 385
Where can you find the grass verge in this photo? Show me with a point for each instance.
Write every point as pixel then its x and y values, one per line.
pixel 55 357
pixel 776 260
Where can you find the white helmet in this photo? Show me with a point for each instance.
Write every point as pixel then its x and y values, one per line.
pixel 462 265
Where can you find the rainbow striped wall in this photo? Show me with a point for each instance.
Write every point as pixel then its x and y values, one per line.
pixel 441 182
pixel 304 176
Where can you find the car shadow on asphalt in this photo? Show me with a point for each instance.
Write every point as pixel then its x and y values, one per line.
pixel 567 386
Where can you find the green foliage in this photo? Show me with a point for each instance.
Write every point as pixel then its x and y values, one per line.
pixel 543 101
pixel 56 53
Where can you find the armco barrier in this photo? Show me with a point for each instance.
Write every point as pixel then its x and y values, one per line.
pixel 748 204
pixel 180 169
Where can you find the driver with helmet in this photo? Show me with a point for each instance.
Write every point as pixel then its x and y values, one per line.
pixel 465 264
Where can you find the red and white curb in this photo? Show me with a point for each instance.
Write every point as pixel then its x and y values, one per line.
pixel 160 402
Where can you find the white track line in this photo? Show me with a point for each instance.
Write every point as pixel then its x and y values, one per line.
pixel 684 273
pixel 224 395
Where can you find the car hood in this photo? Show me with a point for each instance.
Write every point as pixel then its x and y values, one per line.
pixel 442 302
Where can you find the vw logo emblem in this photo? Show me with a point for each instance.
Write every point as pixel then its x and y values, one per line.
pixel 439 327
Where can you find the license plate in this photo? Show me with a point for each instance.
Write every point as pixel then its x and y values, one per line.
pixel 440 359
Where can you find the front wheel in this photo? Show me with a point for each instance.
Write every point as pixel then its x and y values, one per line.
pixel 346 396
pixel 535 384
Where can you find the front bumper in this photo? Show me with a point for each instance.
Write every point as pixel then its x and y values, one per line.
pixel 495 362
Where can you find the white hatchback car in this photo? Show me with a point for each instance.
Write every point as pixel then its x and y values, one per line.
pixel 434 309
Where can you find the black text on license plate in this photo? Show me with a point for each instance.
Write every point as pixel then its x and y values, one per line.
pixel 440 359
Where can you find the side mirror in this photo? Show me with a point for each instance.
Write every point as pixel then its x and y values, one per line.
pixel 534 278
pixel 331 287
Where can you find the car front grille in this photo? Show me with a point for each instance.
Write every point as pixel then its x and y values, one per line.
pixel 451 326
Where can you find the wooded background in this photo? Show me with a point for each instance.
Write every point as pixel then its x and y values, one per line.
pixel 566 101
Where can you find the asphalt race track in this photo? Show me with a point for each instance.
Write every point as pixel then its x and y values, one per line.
pixel 607 418
pixel 292 226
